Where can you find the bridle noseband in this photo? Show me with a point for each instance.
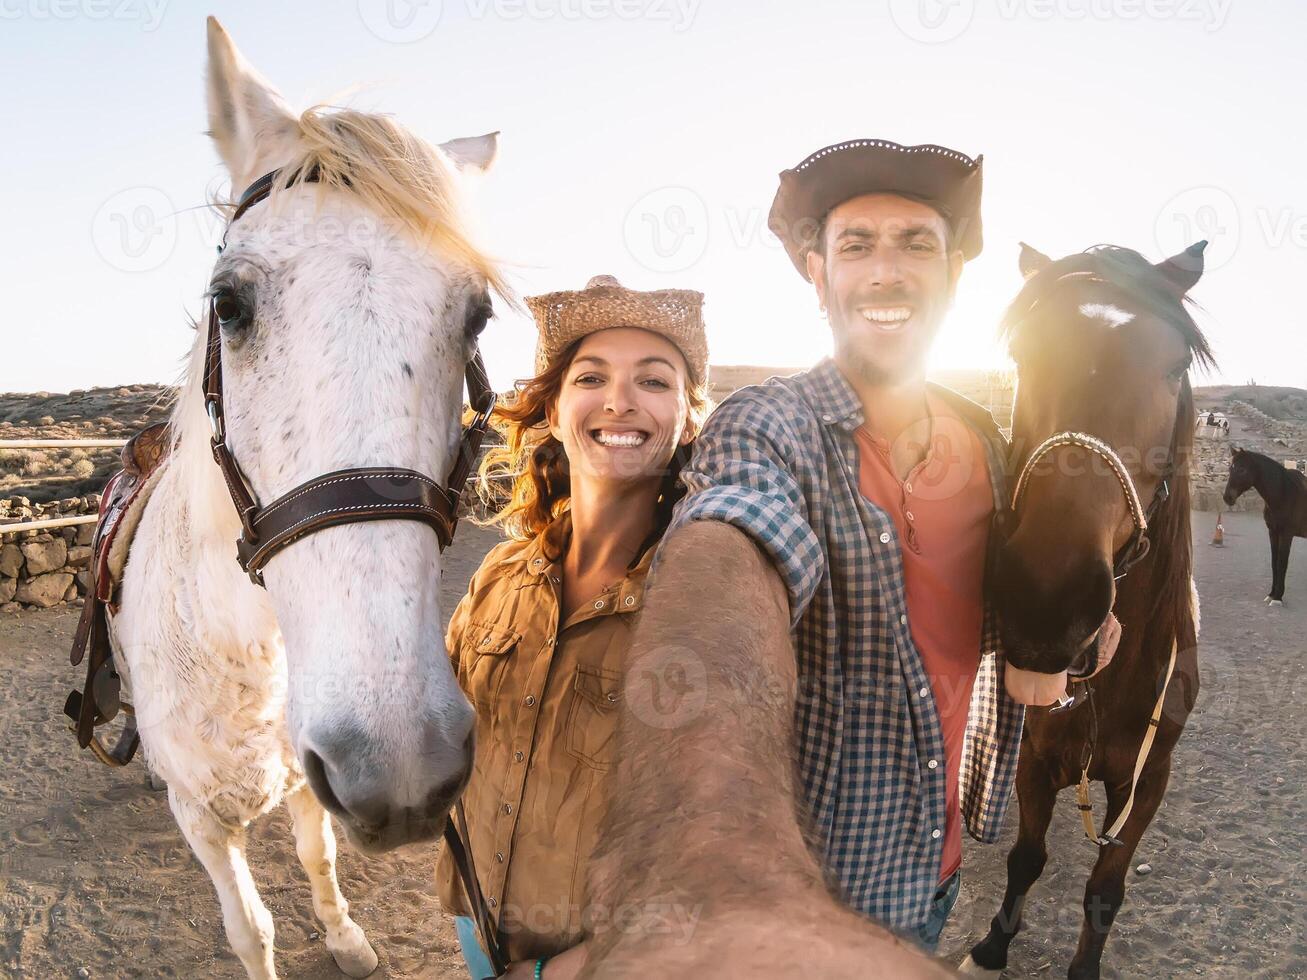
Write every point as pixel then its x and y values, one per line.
pixel 348 496
pixel 1134 550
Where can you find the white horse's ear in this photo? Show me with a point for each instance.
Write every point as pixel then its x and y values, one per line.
pixel 1032 261
pixel 251 125
pixel 473 153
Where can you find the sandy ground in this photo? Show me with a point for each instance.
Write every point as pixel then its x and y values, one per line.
pixel 94 874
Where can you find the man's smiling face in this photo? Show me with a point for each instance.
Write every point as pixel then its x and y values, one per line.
pixel 885 273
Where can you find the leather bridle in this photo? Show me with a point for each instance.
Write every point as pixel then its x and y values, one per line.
pixel 348 496
pixel 1136 548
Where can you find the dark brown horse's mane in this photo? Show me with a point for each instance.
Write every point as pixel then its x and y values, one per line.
pixel 1172 545
pixel 1138 280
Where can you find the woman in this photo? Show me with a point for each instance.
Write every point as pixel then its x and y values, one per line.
pixel 594 444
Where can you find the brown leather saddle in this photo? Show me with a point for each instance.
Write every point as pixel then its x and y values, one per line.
pixel 121 506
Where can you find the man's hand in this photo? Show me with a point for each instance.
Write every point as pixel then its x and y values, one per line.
pixel 1032 689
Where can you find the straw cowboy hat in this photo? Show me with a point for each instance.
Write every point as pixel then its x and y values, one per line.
pixel 947 180
pixel 567 316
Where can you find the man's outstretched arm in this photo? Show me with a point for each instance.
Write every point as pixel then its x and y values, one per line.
pixel 702 864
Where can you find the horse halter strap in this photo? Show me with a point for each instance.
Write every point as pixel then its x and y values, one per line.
pixel 348 496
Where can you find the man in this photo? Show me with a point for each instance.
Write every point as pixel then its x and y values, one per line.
pixel 876 499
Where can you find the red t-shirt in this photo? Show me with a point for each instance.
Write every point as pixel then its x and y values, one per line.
pixel 942 513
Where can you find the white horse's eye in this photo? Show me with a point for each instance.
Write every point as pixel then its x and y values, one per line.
pixel 227 308
pixel 231 311
pixel 478 315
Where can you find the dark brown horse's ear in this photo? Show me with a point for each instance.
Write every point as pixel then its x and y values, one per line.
pixel 1184 270
pixel 1032 261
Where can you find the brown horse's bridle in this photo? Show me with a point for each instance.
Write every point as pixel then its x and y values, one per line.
pixel 348 496
pixel 1134 550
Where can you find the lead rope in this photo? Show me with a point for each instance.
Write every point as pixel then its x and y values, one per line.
pixel 1112 834
pixel 460 848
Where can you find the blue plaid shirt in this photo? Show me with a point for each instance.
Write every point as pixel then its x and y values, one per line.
pixel 780 462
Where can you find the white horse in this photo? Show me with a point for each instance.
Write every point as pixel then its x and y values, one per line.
pixel 359 297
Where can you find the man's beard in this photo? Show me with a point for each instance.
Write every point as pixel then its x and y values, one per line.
pixel 843 319
pixel 864 369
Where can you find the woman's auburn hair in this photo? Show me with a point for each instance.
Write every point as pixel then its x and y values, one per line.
pixel 536 464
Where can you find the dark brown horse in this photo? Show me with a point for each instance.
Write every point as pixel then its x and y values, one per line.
pixel 1102 432
pixel 1285 493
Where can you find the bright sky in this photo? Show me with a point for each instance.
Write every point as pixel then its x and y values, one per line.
pixel 642 138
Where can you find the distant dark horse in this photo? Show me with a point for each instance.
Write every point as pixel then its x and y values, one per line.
pixel 1103 428
pixel 1285 493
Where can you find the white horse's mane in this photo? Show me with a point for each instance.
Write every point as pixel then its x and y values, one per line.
pixel 396 175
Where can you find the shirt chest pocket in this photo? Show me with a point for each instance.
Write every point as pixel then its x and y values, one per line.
pixel 592 720
pixel 486 650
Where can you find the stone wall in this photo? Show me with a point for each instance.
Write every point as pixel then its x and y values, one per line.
pixel 44 568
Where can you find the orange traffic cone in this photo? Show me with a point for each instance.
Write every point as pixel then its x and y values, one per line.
pixel 1218 539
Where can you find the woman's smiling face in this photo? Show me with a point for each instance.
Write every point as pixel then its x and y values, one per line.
pixel 622 409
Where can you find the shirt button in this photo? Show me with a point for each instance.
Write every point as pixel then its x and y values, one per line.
pixel 549 640
pixel 599 604
pixel 537 561
pixel 907 488
pixel 884 537
pixel 530 700
pixel 827 418
pixel 934 835
pixel 932 764
pixel 491 902
pixel 499 856
pixel 630 600
pixel 518 757
pixel 903 620
pixel 909 515
pixel 508 808
pixel 924 692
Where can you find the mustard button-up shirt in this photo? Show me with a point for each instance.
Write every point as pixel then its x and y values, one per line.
pixel 546 697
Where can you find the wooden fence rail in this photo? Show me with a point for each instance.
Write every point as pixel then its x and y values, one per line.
pixel 62 443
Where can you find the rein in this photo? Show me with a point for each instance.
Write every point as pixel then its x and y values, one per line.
pixel 1111 835
pixel 347 496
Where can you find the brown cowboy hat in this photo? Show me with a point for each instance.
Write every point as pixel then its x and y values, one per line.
pixel 947 180
pixel 566 316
